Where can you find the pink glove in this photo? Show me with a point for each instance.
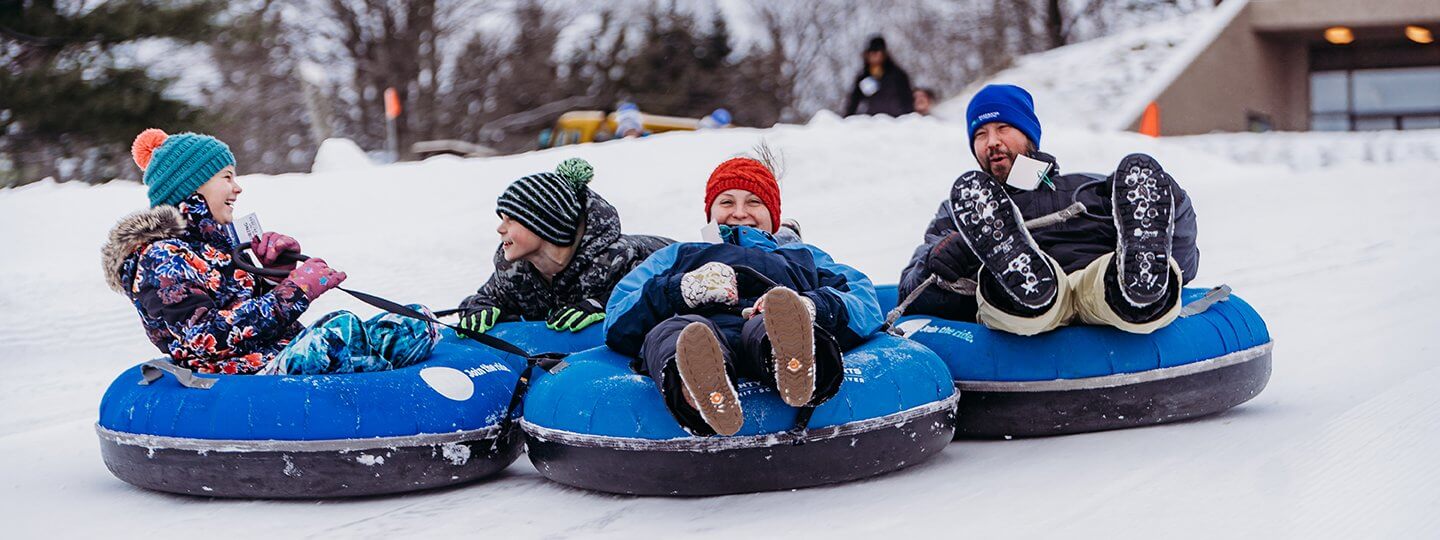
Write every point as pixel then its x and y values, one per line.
pixel 314 277
pixel 270 245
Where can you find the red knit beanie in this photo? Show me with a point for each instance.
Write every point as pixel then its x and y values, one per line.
pixel 749 175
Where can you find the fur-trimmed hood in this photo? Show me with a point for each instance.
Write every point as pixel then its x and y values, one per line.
pixel 133 232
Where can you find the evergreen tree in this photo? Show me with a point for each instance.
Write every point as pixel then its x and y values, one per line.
pixel 655 76
pixel 67 109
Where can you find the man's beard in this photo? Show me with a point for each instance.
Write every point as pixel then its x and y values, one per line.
pixel 990 167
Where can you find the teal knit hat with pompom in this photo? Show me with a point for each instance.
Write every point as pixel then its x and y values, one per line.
pixel 551 205
pixel 177 165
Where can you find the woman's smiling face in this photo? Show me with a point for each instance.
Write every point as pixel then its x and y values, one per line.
pixel 740 207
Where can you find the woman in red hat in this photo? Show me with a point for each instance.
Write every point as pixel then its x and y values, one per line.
pixel 698 315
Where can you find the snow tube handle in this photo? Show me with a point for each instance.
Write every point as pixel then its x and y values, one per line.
pixel 285 257
pixel 155 369
pixel 1217 294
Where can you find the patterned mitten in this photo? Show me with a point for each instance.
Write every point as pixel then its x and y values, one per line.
pixel 713 283
pixel 314 277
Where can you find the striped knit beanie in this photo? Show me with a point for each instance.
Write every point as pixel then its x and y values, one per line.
pixel 177 165
pixel 750 175
pixel 551 205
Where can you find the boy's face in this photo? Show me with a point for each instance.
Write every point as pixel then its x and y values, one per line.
pixel 740 207
pixel 516 241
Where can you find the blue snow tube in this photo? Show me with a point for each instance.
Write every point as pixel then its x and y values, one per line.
pixel 1090 378
pixel 596 424
pixel 532 336
pixel 437 423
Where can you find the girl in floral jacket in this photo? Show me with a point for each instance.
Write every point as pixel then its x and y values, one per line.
pixel 173 261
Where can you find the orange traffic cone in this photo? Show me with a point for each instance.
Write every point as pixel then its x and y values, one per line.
pixel 1150 121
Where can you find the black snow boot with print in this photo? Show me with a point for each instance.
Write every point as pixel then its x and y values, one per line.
pixel 1144 213
pixel 995 231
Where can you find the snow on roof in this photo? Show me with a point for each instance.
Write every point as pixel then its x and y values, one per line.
pixel 1105 83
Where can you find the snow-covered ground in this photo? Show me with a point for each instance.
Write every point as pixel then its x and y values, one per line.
pixel 1335 255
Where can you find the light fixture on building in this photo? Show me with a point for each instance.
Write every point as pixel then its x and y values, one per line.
pixel 1339 35
pixel 1419 34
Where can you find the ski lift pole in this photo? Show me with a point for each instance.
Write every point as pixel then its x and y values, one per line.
pixel 392 112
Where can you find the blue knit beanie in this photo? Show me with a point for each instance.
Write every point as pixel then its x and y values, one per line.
pixel 1003 103
pixel 177 165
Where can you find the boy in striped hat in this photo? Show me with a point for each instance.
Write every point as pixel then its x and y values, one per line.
pixel 561 252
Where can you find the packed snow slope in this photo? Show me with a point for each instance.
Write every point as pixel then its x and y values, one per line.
pixel 1335 255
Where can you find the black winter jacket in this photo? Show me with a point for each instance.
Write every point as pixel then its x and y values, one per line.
pixel 1073 243
pixel 893 97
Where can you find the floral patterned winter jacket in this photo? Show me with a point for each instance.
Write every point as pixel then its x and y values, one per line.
pixel 173 262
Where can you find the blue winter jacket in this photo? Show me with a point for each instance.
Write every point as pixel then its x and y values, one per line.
pixel 845 303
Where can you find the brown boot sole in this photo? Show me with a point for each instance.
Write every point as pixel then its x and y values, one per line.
pixel 792 337
pixel 701 364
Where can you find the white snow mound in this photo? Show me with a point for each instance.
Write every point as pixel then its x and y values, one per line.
pixel 339 154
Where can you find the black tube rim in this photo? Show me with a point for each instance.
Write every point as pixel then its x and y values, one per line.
pixel 719 444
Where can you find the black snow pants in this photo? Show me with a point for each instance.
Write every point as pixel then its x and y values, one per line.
pixel 747 353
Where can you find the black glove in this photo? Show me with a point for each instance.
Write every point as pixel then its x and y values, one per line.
pixel 952 260
pixel 575 318
pixel 480 319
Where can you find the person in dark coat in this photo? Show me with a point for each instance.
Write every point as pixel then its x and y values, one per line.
pixel 1119 262
pixel 881 87
pixel 697 315
pixel 561 252
pixel 174 262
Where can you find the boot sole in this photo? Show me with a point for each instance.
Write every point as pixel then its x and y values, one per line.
pixel 1012 257
pixel 701 365
pixel 1144 213
pixel 792 339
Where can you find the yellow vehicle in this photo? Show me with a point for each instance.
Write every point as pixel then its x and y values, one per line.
pixel 577 127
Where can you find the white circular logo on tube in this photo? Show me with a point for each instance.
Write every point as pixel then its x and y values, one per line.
pixel 449 382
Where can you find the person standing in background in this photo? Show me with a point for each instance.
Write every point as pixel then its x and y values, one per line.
pixel 882 87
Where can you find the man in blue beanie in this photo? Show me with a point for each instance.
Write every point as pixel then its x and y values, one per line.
pixel 1110 250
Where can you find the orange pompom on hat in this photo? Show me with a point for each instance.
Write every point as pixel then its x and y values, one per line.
pixel 176 165
pixel 750 175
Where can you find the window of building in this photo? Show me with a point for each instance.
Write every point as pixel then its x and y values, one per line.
pixel 1367 99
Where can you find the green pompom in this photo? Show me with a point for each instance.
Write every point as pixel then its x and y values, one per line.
pixel 576 171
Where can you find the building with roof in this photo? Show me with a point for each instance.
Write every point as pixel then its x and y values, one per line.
pixel 1300 65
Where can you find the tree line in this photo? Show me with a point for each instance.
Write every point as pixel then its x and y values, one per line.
pixel 274 78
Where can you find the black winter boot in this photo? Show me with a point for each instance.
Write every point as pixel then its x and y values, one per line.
pixel 995 231
pixel 1144 208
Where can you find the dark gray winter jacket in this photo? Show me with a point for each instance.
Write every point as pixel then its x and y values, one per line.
pixel 892 96
pixel 1073 243
pixel 603 257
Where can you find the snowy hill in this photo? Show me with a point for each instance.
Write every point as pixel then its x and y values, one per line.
pixel 1342 443
pixel 1106 83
